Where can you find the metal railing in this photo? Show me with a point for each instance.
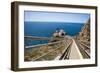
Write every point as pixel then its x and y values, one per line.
pixel 36 38
pixel 84 53
pixel 66 52
pixel 55 46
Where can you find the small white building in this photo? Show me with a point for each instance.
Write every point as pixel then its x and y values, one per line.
pixel 56 34
pixel 59 33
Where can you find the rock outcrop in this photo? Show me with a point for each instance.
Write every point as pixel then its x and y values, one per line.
pixel 85 32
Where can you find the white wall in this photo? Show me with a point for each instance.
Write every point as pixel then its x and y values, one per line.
pixel 5 40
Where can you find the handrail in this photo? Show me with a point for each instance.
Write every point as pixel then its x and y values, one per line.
pixel 84 41
pixel 60 45
pixel 65 51
pixel 50 51
pixel 36 38
pixel 47 53
pixel 43 44
pixel 85 51
pixel 85 45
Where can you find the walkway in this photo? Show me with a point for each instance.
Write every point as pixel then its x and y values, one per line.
pixel 74 51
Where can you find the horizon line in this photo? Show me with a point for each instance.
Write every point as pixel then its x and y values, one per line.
pixel 54 22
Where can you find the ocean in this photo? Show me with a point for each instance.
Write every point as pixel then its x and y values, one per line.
pixel 46 29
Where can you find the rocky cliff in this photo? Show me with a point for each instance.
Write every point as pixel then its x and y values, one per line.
pixel 85 32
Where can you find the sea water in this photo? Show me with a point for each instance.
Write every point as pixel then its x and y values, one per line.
pixel 46 29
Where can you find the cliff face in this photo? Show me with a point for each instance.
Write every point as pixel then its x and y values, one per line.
pixel 85 32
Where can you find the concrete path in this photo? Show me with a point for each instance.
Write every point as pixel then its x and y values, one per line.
pixel 74 52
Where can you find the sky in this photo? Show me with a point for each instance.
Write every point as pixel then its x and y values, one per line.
pixel 37 16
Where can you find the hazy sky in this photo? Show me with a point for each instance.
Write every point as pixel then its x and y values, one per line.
pixel 55 17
